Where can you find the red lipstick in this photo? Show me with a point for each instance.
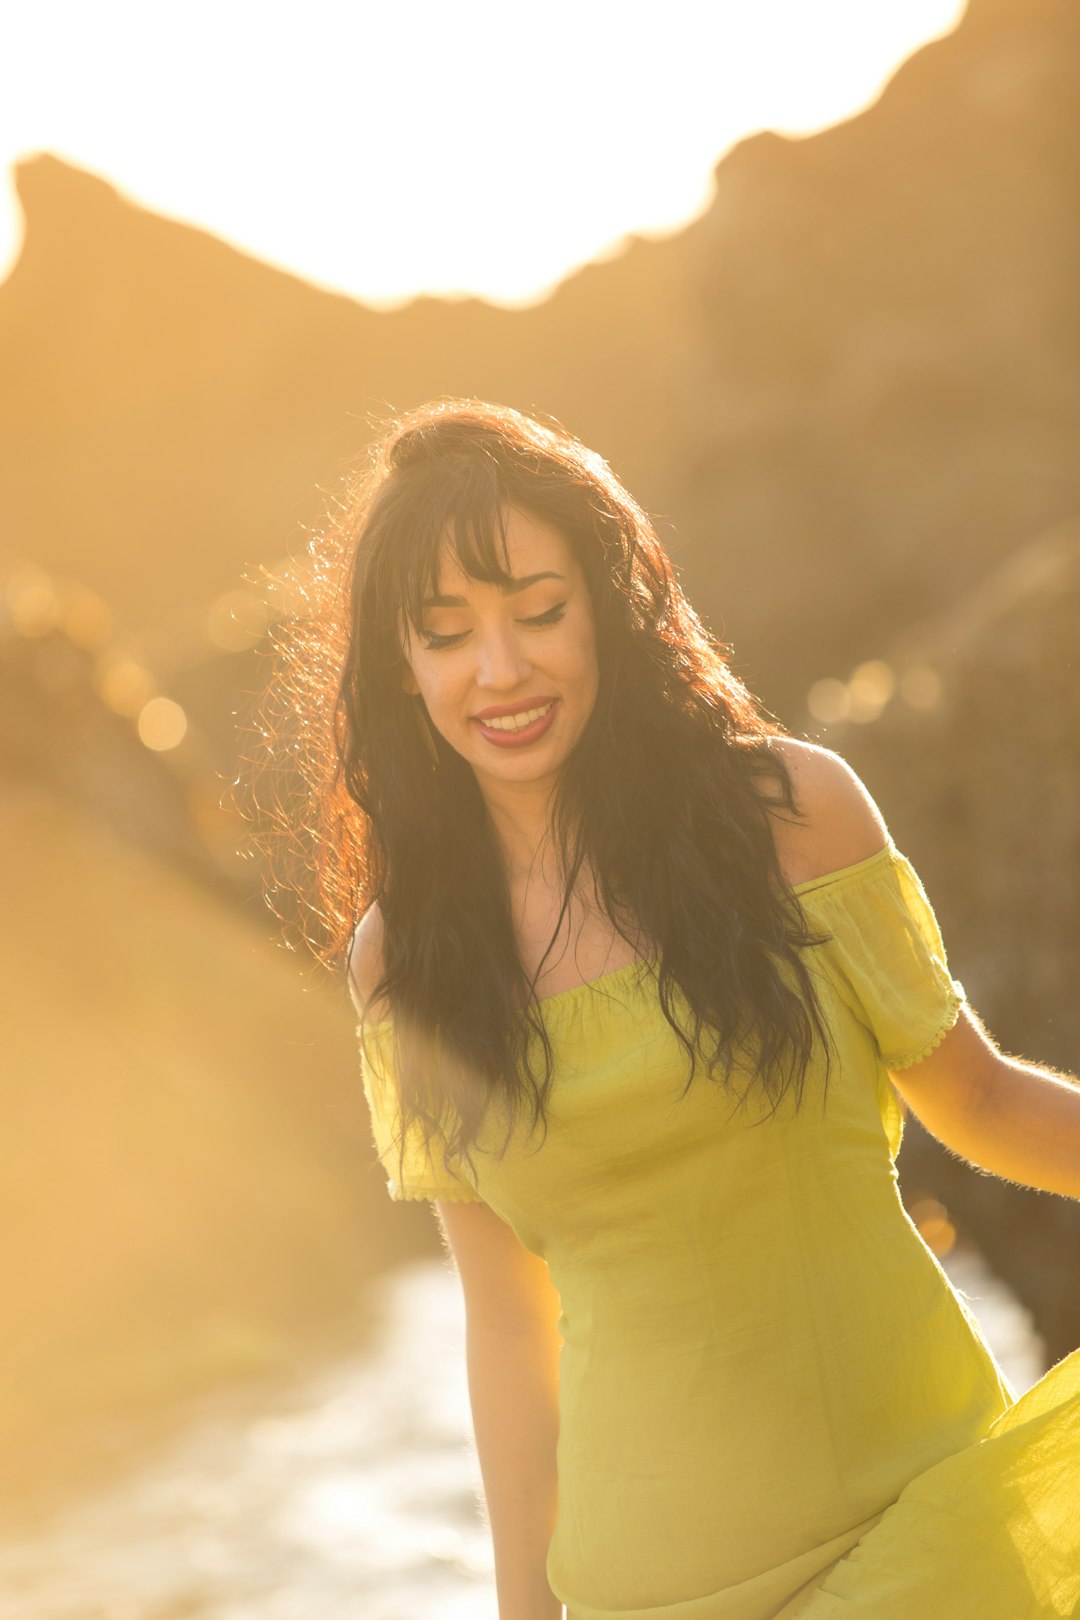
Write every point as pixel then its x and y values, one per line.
pixel 498 710
pixel 521 736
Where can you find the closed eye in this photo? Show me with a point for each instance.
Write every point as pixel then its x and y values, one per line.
pixel 552 616
pixel 434 642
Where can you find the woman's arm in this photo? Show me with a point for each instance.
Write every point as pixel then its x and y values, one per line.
pixel 1015 1119
pixel 512 1350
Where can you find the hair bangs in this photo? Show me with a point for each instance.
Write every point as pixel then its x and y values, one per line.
pixel 462 517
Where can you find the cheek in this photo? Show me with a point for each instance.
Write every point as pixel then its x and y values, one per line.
pixel 437 686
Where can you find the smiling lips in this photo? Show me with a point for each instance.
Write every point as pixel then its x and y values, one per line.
pixel 514 728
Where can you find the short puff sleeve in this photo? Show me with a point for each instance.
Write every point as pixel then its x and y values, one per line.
pixel 886 953
pixel 421 1176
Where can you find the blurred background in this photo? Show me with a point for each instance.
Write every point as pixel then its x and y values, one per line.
pixel 807 278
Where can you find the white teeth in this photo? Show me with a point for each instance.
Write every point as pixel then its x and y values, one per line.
pixel 515 722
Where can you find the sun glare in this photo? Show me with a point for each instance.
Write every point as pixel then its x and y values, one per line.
pixel 478 149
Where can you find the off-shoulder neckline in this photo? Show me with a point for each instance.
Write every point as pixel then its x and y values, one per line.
pixel 571 990
pixel 808 886
pixel 842 872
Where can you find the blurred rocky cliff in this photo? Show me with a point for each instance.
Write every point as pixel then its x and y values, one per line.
pixel 848 389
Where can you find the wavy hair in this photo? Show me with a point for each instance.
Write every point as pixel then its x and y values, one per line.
pixel 658 807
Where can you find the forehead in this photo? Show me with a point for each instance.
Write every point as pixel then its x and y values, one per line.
pixel 526 545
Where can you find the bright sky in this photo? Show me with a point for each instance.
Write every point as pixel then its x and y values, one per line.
pixel 470 147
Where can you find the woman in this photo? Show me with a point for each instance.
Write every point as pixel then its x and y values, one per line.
pixel 640 978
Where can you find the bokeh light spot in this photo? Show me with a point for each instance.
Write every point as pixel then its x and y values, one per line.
pixel 828 701
pixel 871 686
pixel 87 620
pixel 31 601
pixel 162 724
pixel 125 686
pixel 935 1228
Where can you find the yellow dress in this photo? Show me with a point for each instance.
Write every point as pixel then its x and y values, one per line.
pixel 772 1401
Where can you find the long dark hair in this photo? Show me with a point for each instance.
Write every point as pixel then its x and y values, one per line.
pixel 658 805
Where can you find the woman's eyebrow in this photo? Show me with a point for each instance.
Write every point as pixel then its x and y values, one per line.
pixel 509 587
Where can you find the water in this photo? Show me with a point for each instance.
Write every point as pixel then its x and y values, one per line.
pixel 356 1498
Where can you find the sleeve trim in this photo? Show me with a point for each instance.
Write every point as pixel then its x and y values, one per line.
pixel 905 1060
pixel 456 1195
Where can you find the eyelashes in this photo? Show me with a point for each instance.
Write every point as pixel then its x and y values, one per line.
pixel 435 643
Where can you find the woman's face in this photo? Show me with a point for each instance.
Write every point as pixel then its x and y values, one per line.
pixel 509 676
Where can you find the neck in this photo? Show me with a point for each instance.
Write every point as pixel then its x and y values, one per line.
pixel 521 816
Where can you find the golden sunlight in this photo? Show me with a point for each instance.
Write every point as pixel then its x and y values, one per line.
pixel 479 149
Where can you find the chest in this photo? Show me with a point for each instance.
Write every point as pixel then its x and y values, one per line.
pixel 584 946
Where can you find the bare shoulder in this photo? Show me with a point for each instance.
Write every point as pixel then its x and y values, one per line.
pixel 365 959
pixel 840 823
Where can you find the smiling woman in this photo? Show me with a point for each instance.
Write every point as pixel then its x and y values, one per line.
pixel 640 982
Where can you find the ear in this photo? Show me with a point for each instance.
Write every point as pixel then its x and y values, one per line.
pixel 408 681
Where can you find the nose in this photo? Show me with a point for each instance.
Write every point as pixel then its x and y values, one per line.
pixel 503 662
